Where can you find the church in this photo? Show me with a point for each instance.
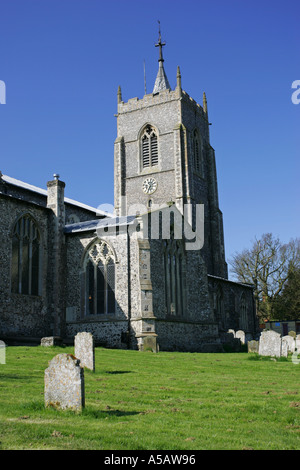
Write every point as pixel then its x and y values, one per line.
pixel 150 275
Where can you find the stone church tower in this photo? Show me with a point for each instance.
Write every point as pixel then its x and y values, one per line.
pixel 163 155
pixel 67 267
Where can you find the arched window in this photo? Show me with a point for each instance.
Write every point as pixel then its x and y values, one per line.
pixel 100 279
pixel 174 276
pixel 25 265
pixel 220 305
pixel 243 313
pixel 149 147
pixel 197 153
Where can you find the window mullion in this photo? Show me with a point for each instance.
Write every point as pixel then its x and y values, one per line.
pixel 30 237
pixel 20 266
pixel 105 289
pixel 95 289
pixel 178 290
pixel 29 266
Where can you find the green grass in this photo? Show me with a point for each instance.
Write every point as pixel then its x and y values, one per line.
pixel 164 401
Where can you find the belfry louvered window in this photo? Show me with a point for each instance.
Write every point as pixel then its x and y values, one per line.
pixel 25 257
pixel 100 279
pixel 149 147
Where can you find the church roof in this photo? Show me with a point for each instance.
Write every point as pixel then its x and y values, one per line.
pixel 218 278
pixel 100 224
pixel 30 187
pixel 161 82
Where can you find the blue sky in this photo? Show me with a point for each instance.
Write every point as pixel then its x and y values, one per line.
pixel 62 62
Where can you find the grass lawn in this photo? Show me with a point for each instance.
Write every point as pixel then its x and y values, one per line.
pixel 164 401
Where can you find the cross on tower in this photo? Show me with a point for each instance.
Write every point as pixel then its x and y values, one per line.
pixel 160 44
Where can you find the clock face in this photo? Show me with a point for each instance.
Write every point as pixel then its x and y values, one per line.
pixel 149 185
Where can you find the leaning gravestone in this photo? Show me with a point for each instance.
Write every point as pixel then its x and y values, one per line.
pixel 270 344
pixel 85 350
pixel 64 383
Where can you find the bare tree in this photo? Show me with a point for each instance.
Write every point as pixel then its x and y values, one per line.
pixel 266 266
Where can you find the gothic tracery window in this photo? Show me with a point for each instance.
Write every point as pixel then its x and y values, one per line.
pixel 243 313
pixel 174 276
pixel 149 147
pixel 25 265
pixel 220 305
pixel 100 279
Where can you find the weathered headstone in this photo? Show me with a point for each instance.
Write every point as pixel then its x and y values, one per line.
pixel 240 334
pixel 51 341
pixel 2 352
pixel 84 349
pixel 253 346
pixel 64 383
pixel 291 343
pixel 270 344
pixel 284 348
pixel 150 344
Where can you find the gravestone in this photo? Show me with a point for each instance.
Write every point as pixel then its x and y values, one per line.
pixel 253 346
pixel 240 334
pixel 64 383
pixel 85 350
pixel 149 344
pixel 297 344
pixel 291 343
pixel 284 348
pixel 51 341
pixel 270 344
pixel 2 352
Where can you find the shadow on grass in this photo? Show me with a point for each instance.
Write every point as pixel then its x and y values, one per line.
pixel 103 414
pixel 17 377
pixel 118 372
pixel 39 406
pixel 257 357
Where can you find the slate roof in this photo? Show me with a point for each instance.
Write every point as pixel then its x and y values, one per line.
pixel 161 82
pixel 100 224
pixel 35 189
